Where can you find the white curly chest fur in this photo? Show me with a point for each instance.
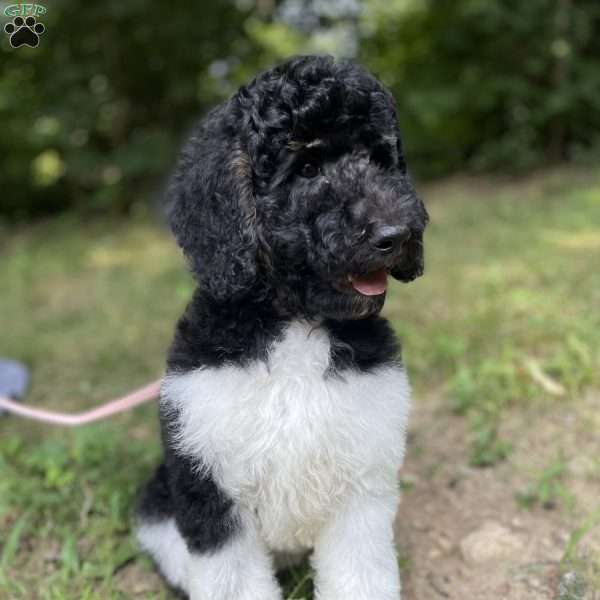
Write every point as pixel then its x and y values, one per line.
pixel 290 440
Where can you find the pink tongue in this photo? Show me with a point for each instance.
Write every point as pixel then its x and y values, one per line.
pixel 372 284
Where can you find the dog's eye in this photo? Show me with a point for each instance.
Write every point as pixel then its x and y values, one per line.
pixel 309 170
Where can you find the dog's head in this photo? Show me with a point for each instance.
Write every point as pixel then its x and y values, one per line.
pixel 297 188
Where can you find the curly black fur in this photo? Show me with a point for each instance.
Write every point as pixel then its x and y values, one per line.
pixel 282 193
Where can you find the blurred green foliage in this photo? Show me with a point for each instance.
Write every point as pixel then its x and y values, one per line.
pixel 491 84
pixel 92 117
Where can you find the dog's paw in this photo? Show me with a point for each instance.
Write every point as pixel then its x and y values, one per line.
pixel 24 32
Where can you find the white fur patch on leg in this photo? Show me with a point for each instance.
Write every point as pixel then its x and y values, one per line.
pixel 162 540
pixel 355 556
pixel 241 570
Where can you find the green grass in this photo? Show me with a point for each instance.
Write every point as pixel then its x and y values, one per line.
pixel 512 291
pixel 507 315
pixel 547 489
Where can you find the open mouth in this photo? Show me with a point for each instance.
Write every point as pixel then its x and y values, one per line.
pixel 370 284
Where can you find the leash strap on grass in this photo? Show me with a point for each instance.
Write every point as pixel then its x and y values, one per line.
pixel 113 407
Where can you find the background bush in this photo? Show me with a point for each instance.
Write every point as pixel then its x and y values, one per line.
pixel 91 119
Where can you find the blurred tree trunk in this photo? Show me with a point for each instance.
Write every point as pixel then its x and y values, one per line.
pixel 563 50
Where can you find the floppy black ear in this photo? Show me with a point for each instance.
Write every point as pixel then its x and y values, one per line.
pixel 212 210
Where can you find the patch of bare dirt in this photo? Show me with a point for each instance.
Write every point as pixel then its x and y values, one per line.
pixel 462 530
pixel 134 581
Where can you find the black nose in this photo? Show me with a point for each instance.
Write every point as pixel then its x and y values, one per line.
pixel 389 238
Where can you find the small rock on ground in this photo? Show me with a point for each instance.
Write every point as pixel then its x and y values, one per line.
pixel 491 541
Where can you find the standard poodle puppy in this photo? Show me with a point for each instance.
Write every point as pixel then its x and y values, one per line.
pixel 284 405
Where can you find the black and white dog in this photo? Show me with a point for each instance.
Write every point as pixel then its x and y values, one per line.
pixel 284 405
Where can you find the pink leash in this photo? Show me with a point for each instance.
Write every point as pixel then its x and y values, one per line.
pixel 118 405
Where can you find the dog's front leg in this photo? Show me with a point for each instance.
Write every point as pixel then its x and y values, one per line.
pixel 354 556
pixel 239 570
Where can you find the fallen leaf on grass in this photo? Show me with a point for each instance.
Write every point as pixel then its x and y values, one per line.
pixel 549 385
